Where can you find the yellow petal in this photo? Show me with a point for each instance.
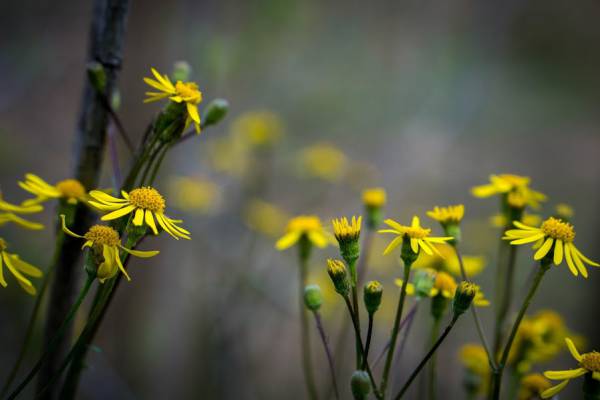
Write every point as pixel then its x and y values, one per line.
pixel 193 112
pixel 2 280
pixel 119 263
pixel 558 252
pixel 25 267
pixel 140 253
pixel 118 213
pixel 584 258
pixel 150 221
pixel 138 219
pixel 542 251
pixel 288 240
pixel 573 349
pixel 415 222
pixel 551 392
pixel 566 374
pixel 394 224
pixel 317 238
pixel 393 244
pixel 484 191
pixel 105 197
pixel 414 245
pixel 67 230
pixel 570 263
pixel 528 239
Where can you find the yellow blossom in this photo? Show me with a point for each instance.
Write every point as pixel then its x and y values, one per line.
pixel 258 128
pixel 18 268
pixel 181 92
pixel 265 218
pixel 564 211
pixel 105 241
pixel 145 204
pixel 323 161
pixel 554 237
pixel 506 183
pixel 447 215
pixel 448 262
pixel 308 226
pixel 195 194
pixel 28 208
pixel 588 363
pixel 532 386
pixel 374 197
pixel 474 358
pixel 11 217
pixel 346 231
pixel 69 189
pixel 500 220
pixel 418 236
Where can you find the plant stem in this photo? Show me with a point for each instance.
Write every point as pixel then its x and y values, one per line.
pixel 435 331
pixel 368 344
pixel 395 329
pixel 356 309
pixel 426 358
pixel 497 375
pixel 327 352
pixel 309 379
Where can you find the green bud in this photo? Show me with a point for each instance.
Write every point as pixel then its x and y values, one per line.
pixel 407 255
pixel 463 297
pixel 372 296
pixel 97 76
pixel 313 298
pixel 181 71
pixel 170 122
pixel 215 112
pixel 423 281
pixel 360 384
pixel 438 306
pixel 453 229
pixel 339 276
pixel 115 101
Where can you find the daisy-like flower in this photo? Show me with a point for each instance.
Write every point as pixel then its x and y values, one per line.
pixel 418 236
pixel 27 208
pixel 105 241
pixel 553 237
pixel 447 215
pixel 69 189
pixel 532 386
pixel 345 231
pixel 18 268
pixel 147 206
pixel 589 363
pixel 506 183
pixel 11 217
pixel 308 226
pixel 181 92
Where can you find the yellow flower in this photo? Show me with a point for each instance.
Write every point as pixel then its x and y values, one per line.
pixel 323 161
pixel 555 237
pixel 145 203
pixel 500 220
pixel 374 197
pixel 18 268
pixel 505 183
pixel 105 241
pixel 589 363
pixel 474 358
pixel 265 218
pixel 308 226
pixel 345 231
pixel 69 189
pixel 532 386
pixel 187 93
pixel 197 195
pixel 10 217
pixel 447 215
pixel 418 236
pixel 258 128
pixel 22 209
pixel 449 262
pixel 564 211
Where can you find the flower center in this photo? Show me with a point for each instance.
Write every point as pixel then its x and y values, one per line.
pixel 71 188
pixel 591 361
pixel 416 232
pixel 102 235
pixel 189 92
pixel 147 198
pixel 304 224
pixel 3 244
pixel 515 180
pixel 557 229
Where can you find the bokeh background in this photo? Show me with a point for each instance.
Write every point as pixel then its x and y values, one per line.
pixel 425 99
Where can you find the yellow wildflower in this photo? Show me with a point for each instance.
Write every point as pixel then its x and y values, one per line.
pixel 105 241
pixel 553 237
pixel 447 215
pixel 532 386
pixel 265 218
pixel 500 220
pixel 345 231
pixel 18 268
pixel 445 285
pixel 448 262
pixel 195 194
pixel 418 236
pixel 374 197
pixel 69 189
pixel 323 161
pixel 505 183
pixel 589 363
pixel 10 217
pixel 145 203
pixel 308 226
pixel 181 92
pixel 258 128
pixel 564 211
pixel 475 359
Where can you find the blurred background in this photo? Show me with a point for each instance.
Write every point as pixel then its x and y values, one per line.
pixel 425 99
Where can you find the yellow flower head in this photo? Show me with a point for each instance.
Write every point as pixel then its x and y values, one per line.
pixel 69 189
pixel 554 237
pixel 11 217
pixel 308 226
pixel 448 262
pixel 345 231
pixel 532 386
pixel 374 197
pixel 146 205
pixel 258 128
pixel 196 195
pixel 447 215
pixel 588 363
pixel 474 358
pixel 181 92
pixel 266 218
pixel 18 268
pixel 418 236
pixel 500 220
pixel 323 161
pixel 105 242
pixel 506 183
pixel 564 211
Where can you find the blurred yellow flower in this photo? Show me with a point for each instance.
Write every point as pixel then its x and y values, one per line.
pixel 505 183
pixel 374 197
pixel 29 208
pixel 308 226
pixel 448 262
pixel 69 189
pixel 418 236
pixel 323 161
pixel 265 218
pixel 564 211
pixel 532 386
pixel 258 128
pixel 346 231
pixel 554 237
pixel 474 358
pixel 145 204
pixel 195 194
pixel 10 217
pixel 18 268
pixel 500 220
pixel 187 93
pixel 447 215
pixel 229 155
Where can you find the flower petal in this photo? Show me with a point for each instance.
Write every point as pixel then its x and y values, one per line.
pixel 551 392
pixel 118 213
pixel 287 240
pixel 573 349
pixel 542 251
pixel 566 374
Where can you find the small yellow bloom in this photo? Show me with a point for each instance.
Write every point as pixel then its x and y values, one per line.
pixel 258 128
pixel 418 236
pixel 105 241
pixel 265 218
pixel 532 386
pixel 69 189
pixel 500 220
pixel 588 363
pixel 564 211
pixel 506 183
pixel 18 268
pixel 447 215
pixel 323 161
pixel 195 194
pixel 374 197
pixel 474 358
pixel 554 237
pixel 10 217
pixel 345 231
pixel 181 92
pixel 145 203
pixel 308 226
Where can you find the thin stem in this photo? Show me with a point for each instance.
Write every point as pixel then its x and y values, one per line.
pixel 497 375
pixel 309 379
pixel 114 160
pixel 395 330
pixel 435 331
pixel 356 313
pixel 505 299
pixel 328 352
pixel 426 358
pixel 106 104
pixel 56 338
pixel 158 163
pixel 405 321
pixel 368 344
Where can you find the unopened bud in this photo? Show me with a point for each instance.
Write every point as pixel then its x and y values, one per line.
pixel 313 298
pixel 215 112
pixel 360 384
pixel 339 276
pixel 372 296
pixel 181 71
pixel 463 297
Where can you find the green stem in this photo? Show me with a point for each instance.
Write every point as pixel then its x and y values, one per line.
pixel 394 335
pixel 158 163
pixel 327 352
pixel 435 331
pixel 505 299
pixel 368 344
pixel 309 379
pixel 57 336
pixel 426 358
pixel 356 309
pixel 497 375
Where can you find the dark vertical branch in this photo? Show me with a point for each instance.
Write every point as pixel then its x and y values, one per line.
pixel 105 47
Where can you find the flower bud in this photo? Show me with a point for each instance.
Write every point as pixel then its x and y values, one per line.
pixel 360 384
pixel 215 112
pixel 463 297
pixel 313 298
pixel 423 282
pixel 339 276
pixel 347 234
pixel 372 296
pixel 181 71
pixel 407 254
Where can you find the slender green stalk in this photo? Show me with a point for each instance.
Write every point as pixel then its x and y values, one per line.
pixel 354 279
pixel 426 358
pixel 309 379
pixel 435 331
pixel 57 336
pixel 158 162
pixel 395 330
pixel 327 352
pixel 368 344
pixel 497 375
